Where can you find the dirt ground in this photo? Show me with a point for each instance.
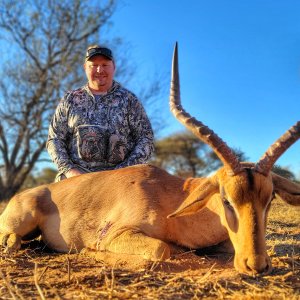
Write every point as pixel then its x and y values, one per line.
pixel 37 273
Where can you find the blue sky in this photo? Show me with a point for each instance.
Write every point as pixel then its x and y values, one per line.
pixel 239 64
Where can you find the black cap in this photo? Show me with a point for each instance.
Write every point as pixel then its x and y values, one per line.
pixel 97 50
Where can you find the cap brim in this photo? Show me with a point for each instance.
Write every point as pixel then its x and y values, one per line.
pixel 98 54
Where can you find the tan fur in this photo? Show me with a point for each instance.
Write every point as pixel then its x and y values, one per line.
pixel 126 211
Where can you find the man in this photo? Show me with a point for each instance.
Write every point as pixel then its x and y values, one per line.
pixel 100 126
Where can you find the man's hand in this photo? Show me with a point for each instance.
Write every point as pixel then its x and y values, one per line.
pixel 72 173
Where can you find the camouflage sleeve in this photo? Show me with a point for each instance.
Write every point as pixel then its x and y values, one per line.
pixel 142 133
pixel 57 138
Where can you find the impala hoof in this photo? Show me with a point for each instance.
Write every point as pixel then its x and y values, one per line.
pixel 11 242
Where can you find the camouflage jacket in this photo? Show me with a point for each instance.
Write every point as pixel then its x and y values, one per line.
pixel 99 134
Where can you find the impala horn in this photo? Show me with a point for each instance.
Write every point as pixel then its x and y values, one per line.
pixel 224 153
pixel 267 161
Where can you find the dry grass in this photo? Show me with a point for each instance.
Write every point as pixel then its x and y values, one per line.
pixel 34 273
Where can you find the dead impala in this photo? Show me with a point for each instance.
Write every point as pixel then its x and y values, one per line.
pixel 143 210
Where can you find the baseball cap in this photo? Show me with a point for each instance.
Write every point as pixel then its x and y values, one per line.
pixel 98 50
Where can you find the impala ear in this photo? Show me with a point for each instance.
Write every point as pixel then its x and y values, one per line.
pixel 286 189
pixel 197 199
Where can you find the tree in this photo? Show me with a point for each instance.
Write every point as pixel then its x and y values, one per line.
pixel 185 155
pixel 42 43
pixel 45 176
pixel 284 172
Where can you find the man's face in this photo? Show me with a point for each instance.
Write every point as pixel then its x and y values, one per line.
pixel 100 72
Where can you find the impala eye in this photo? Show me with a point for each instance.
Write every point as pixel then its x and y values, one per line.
pixel 227 203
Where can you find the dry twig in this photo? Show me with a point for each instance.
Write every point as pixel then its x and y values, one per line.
pixel 36 282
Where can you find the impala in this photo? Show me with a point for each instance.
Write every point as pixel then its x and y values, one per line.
pixel 143 210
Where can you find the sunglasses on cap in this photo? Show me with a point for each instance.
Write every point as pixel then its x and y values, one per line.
pixel 99 51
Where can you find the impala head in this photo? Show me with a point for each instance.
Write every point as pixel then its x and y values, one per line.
pixel 244 190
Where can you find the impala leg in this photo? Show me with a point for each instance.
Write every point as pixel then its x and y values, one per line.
pixel 15 225
pixel 10 241
pixel 130 242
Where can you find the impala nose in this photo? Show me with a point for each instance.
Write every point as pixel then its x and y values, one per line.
pixel 258 265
